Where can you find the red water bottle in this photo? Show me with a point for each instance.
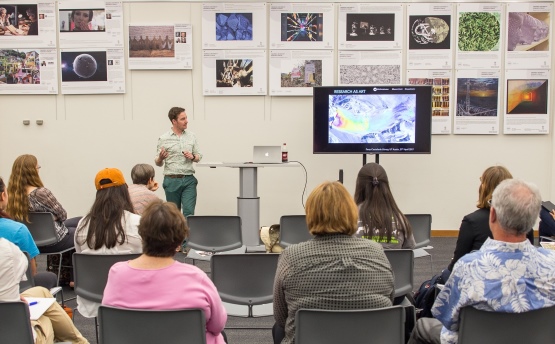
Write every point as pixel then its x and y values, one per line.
pixel 284 155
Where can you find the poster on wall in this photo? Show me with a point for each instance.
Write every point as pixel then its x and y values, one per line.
pixel 360 68
pixel 528 34
pixel 527 102
pixel 440 81
pixel 368 26
pixel 296 72
pixel 160 46
pixel 477 102
pixel 28 24
pixel 234 25
pixel 90 24
pixel 302 26
pixel 479 28
pixel 234 72
pixel 28 71
pixel 430 36
pixel 92 71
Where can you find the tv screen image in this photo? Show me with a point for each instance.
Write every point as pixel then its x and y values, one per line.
pixel 372 119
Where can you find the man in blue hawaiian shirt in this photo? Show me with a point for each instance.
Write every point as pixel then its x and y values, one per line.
pixel 507 274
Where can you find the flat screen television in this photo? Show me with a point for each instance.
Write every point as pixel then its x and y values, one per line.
pixel 372 119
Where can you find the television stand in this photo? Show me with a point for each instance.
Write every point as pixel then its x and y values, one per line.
pixel 376 159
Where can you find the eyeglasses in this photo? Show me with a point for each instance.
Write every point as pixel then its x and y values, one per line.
pixel 489 202
pixel 38 167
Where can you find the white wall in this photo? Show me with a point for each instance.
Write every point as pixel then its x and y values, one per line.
pixel 84 133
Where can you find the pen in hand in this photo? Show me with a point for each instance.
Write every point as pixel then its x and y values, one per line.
pixel 32 303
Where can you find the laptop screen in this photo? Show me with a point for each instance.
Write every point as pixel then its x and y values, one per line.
pixel 266 155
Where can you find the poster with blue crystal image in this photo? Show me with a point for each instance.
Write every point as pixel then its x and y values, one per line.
pixel 234 26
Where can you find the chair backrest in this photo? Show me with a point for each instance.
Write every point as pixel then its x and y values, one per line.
pixel 421 228
pixel 42 228
pixel 30 282
pixel 402 263
pixel 131 326
pixel 380 325
pixel 90 273
pixel 15 326
pixel 481 327
pixel 214 233
pixel 293 230
pixel 244 279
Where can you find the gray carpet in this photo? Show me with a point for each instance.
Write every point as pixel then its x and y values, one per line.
pixel 441 253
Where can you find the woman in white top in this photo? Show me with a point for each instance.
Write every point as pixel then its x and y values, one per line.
pixel 110 227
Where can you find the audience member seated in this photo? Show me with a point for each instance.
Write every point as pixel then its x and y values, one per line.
pixel 474 228
pixel 143 187
pixel 156 281
pixel 547 223
pixel 18 234
pixel 334 270
pixel 110 227
pixel 508 274
pixel 29 194
pixel 379 217
pixel 54 324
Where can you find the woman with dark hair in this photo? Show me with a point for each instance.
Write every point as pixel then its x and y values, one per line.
pixel 81 20
pixel 138 282
pixel 334 270
pixel 18 234
pixel 110 227
pixel 27 193
pixel 379 217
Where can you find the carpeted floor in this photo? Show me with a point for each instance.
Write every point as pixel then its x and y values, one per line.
pixel 441 254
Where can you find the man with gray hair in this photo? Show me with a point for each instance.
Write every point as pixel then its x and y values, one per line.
pixel 507 274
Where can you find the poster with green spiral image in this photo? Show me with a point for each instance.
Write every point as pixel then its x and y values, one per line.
pixel 479 31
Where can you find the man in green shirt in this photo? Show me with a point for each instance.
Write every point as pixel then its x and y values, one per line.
pixel 177 150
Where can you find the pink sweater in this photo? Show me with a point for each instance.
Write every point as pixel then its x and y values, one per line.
pixel 177 286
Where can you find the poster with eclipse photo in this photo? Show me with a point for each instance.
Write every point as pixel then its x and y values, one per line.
pixel 92 71
pixel 91 24
pixel 527 102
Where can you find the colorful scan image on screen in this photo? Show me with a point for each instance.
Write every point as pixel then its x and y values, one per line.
pixel 372 118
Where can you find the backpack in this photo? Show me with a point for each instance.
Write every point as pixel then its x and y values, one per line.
pixel 425 296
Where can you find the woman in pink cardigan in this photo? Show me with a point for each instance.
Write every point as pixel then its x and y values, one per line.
pixel 156 281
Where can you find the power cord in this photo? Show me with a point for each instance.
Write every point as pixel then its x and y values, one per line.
pixel 305 181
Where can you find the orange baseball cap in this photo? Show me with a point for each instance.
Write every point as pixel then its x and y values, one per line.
pixel 108 177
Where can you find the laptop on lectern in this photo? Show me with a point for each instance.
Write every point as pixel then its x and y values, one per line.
pixel 266 155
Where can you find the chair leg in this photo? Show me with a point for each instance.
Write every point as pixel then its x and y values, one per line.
pixel 96 328
pixel 59 271
pixel 431 265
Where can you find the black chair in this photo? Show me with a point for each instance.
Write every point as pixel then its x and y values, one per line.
pixel 422 230
pixel 212 234
pixel 293 230
pixel 402 263
pixel 42 228
pixel 132 326
pixel 30 282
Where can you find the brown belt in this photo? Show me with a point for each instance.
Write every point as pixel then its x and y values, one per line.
pixel 175 175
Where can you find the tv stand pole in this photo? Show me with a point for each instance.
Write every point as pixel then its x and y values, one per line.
pixel 376 159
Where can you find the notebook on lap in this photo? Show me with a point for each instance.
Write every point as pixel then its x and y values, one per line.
pixel 266 155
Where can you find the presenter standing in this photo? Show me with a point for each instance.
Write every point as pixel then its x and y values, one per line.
pixel 177 150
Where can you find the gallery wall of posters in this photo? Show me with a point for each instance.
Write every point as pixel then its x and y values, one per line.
pixel 526 102
pixel 528 38
pixel 302 26
pixel 234 72
pixel 477 101
pixel 430 36
pixel 357 68
pixel 440 80
pixel 160 46
pixel 372 26
pixel 296 72
pixel 234 25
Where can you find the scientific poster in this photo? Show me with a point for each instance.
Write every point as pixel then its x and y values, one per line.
pixel 430 36
pixel 90 24
pixel 479 28
pixel 302 26
pixel 92 71
pixel 296 72
pixel 527 102
pixel 370 26
pixel 28 24
pixel 28 71
pixel 163 46
pixel 440 81
pixel 477 102
pixel 528 44
pixel 361 68
pixel 234 72
pixel 234 25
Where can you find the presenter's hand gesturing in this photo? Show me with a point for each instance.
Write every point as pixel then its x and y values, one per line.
pixel 163 154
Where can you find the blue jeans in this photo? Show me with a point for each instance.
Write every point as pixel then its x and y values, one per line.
pixel 182 192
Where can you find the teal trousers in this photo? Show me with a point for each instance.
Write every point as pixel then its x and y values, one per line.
pixel 182 192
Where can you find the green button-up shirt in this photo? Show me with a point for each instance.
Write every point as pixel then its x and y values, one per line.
pixel 176 163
